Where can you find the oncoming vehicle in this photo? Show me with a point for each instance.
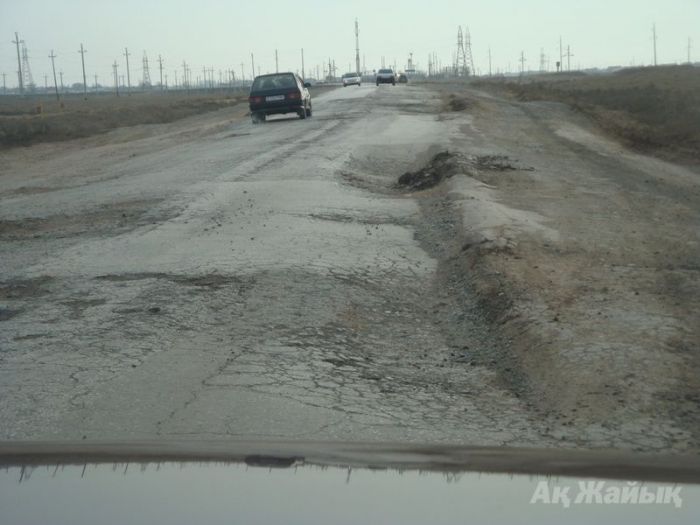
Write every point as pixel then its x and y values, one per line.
pixel 277 94
pixel 352 79
pixel 403 79
pixel 386 76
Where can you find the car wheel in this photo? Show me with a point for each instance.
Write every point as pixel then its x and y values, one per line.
pixel 377 84
pixel 308 111
pixel 302 113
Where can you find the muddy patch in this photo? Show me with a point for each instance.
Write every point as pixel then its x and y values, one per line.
pixel 458 103
pixel 200 281
pixel 446 164
pixel 117 217
pixel 442 166
pixel 25 288
pixel 6 314
pixel 495 163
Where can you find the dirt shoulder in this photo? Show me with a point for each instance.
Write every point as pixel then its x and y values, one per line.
pixel 585 258
pixel 35 119
pixel 654 110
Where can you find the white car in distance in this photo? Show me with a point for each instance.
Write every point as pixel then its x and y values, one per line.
pixel 352 79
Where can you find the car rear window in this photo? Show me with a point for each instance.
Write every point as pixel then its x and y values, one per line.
pixel 385 71
pixel 274 82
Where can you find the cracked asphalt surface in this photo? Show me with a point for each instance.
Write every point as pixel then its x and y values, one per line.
pixel 216 279
pixel 532 283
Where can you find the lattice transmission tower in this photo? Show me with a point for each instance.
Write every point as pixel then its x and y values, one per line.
pixel 146 72
pixel 464 60
pixel 471 70
pixel 26 70
pixel 461 56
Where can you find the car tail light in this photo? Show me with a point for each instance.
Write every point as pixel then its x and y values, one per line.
pixel 294 96
pixel 255 100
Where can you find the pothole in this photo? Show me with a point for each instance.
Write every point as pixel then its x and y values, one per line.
pixel 442 166
pixel 445 165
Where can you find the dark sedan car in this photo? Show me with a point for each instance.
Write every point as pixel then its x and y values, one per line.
pixel 279 93
pixel 386 76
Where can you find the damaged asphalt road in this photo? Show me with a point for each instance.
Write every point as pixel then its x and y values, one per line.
pixel 278 281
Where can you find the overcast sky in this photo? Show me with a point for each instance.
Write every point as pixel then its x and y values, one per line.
pixel 222 34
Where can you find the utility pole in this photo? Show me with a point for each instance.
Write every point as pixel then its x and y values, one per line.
pixel 82 59
pixel 357 47
pixel 204 72
pixel 19 64
pixel 277 63
pixel 53 67
pixel 690 46
pixel 4 84
pixel 176 79
pixel 95 82
pixel 160 66
pixel 128 73
pixel 568 58
pixel 542 60
pixel 522 63
pixel 115 68
pixel 560 66
pixel 60 74
pixel 653 34
pixel 303 73
pixel 242 71
pixel 490 71
pixel 252 64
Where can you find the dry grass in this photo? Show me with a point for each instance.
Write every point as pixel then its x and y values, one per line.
pixel 28 120
pixel 655 110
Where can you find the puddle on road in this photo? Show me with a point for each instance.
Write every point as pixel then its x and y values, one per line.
pixel 286 492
